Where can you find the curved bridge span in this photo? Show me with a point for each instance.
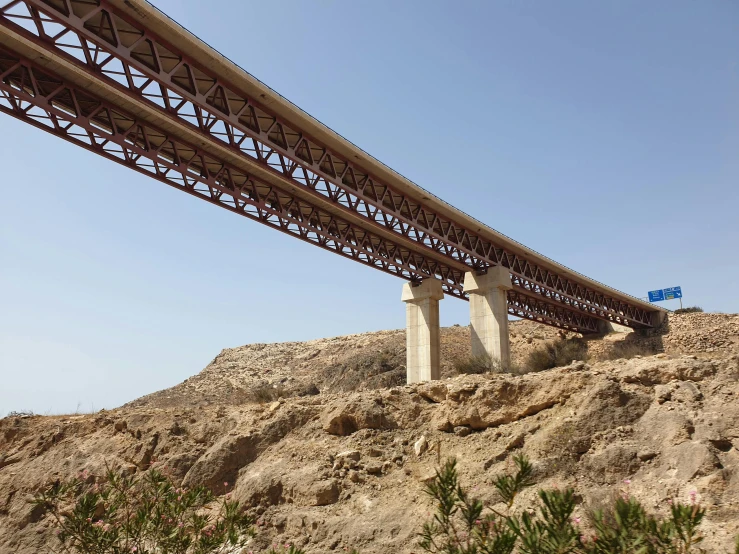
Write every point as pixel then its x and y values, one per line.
pixel 121 79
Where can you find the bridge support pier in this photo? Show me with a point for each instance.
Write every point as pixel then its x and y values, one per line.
pixel 606 327
pixel 423 342
pixel 489 313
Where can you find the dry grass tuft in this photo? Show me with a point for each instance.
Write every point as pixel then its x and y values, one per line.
pixel 627 350
pixel 266 393
pixel 478 365
pixel 689 310
pixel 559 353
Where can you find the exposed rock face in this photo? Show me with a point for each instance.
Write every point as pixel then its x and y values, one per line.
pixel 338 470
pixel 338 364
pixel 349 417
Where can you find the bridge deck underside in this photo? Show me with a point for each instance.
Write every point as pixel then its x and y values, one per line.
pixel 165 116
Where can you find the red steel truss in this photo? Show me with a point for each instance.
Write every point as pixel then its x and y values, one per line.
pixel 46 101
pixel 381 226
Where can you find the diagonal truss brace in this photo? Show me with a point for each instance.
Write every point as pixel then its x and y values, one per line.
pixel 44 100
pixel 108 44
pixel 36 96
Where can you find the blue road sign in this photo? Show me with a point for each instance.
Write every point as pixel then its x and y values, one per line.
pixel 670 293
pixel 673 292
pixel 656 295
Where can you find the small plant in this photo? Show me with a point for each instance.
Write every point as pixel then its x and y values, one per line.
pixel 464 525
pixel 21 413
pixel 689 310
pixel 459 526
pixel 473 365
pixel 552 531
pixel 558 353
pixel 509 486
pixel 626 527
pixel 145 515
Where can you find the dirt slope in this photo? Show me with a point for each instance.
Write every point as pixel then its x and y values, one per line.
pixel 337 469
pixel 337 364
pixel 372 360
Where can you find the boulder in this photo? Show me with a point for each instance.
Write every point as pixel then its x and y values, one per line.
pixel 490 402
pixel 607 405
pixel 221 463
pixel 346 418
pixel 420 446
pixel 434 391
pixel 691 459
pixel 665 427
pixel 323 493
pixel 179 464
pixel 611 464
pixel 347 455
pixel 653 371
pixel 260 488
pixel 662 393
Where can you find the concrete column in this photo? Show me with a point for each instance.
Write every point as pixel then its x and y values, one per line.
pixel 489 313
pixel 607 327
pixel 422 330
pixel 658 318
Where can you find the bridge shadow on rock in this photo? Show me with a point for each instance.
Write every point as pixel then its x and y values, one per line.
pixel 640 342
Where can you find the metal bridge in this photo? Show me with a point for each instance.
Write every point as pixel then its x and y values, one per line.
pixel 121 79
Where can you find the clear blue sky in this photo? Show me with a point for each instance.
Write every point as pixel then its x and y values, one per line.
pixel 603 134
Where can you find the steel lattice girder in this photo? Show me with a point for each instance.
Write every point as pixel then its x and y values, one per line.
pixel 36 96
pixel 94 34
pixel 536 309
pixel 39 97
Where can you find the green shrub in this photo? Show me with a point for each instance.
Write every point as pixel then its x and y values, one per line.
pixel 690 310
pixel 145 515
pixel 551 531
pixel 459 525
pixel 509 486
pixel 558 353
pixel 462 524
pixel 626 527
pixel 150 515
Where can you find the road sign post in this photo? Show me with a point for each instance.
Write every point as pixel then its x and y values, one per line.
pixel 670 293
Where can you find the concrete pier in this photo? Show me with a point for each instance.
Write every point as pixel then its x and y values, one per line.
pixel 422 330
pixel 489 313
pixel 607 327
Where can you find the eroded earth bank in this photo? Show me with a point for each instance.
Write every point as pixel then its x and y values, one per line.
pixel 338 461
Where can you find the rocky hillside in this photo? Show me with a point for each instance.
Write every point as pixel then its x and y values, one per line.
pixel 339 364
pixel 333 470
pixel 376 360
